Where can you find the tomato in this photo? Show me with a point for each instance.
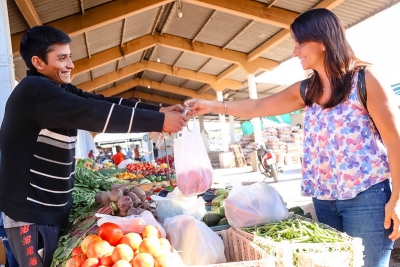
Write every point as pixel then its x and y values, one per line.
pixel 77 251
pixel 110 232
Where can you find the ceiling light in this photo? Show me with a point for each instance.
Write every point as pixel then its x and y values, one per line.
pixel 179 11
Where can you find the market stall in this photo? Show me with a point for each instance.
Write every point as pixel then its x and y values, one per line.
pixel 140 216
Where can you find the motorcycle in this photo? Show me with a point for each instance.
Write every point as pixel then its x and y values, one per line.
pixel 267 163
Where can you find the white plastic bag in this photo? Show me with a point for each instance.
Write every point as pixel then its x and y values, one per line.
pixel 175 203
pixel 124 163
pixel 255 204
pixel 132 223
pixel 196 243
pixel 194 172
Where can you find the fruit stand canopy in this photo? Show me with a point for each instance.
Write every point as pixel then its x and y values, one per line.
pixel 164 51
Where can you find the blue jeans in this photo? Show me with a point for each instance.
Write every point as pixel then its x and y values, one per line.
pixel 363 217
pixel 12 262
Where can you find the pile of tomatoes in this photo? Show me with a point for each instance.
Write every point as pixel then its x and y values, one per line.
pixel 139 167
pixel 112 248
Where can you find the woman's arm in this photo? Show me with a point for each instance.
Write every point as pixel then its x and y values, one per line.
pixel 280 103
pixel 386 116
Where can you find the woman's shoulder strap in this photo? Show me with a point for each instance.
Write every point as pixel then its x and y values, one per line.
pixel 303 87
pixel 362 90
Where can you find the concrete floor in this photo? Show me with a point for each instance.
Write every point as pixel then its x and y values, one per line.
pixel 289 188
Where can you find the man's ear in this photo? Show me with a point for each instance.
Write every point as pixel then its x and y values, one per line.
pixel 37 62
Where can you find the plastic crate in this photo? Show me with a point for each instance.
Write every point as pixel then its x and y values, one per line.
pixel 286 254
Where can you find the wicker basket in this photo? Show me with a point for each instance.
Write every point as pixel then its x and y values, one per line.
pixel 286 254
pixel 240 251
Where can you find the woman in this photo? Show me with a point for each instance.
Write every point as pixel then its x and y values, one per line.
pixel 345 165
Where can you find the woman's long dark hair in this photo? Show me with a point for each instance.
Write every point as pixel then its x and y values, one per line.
pixel 322 25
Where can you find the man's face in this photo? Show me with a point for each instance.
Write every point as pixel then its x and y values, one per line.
pixel 59 64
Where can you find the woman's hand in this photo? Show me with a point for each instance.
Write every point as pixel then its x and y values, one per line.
pixel 392 215
pixel 198 106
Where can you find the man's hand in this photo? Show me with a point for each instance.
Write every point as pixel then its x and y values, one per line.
pixel 174 122
pixel 392 215
pixel 177 107
pixel 197 107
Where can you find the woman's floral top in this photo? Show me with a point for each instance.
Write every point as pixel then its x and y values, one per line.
pixel 343 151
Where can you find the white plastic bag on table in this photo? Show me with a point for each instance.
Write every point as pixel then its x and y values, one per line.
pixel 132 223
pixel 255 204
pixel 196 243
pixel 175 203
pixel 193 168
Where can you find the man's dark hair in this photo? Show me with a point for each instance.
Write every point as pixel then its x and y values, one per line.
pixel 38 41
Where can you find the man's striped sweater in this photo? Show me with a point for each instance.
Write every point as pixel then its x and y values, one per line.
pixel 37 143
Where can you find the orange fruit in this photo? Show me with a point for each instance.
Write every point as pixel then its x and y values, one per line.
pixel 87 240
pixel 165 245
pixel 97 249
pixel 143 260
pixel 122 252
pixel 151 230
pixel 122 263
pixel 164 260
pixel 90 262
pixel 151 245
pixel 131 239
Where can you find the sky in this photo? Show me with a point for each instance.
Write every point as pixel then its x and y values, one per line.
pixel 375 40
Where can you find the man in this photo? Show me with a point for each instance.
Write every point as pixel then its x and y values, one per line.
pixel 137 154
pixel 42 115
pixel 129 154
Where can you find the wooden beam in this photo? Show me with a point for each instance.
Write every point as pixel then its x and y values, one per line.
pixel 96 17
pixel 227 72
pixel 150 97
pixel 269 44
pixel 29 12
pixel 204 89
pixel 329 4
pixel 252 10
pixel 160 68
pixel 112 77
pixel 155 85
pixel 178 43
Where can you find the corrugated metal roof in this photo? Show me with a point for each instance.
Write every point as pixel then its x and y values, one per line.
pixel 193 15
pixel 111 67
pixel 78 47
pixel 205 24
pixel 81 78
pixel 153 76
pixel 139 25
pixel 281 52
pixel 253 36
pixel 215 66
pixel 131 59
pixel 20 68
pixel 92 3
pixel 222 28
pixel 16 20
pixel 105 37
pixel 191 61
pixel 298 6
pixel 239 75
pixel 64 9
pixel 351 12
pixel 167 55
